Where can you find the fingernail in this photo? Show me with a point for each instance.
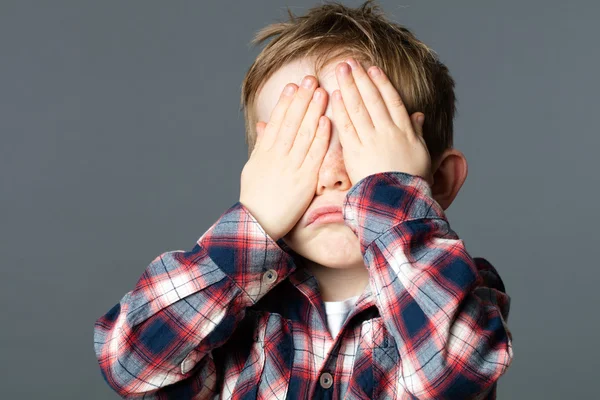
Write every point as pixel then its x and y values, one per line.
pixel 420 119
pixel 289 90
pixel 307 83
pixel 374 71
pixel 352 63
pixel 345 68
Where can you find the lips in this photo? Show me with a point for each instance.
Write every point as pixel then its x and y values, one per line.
pixel 335 211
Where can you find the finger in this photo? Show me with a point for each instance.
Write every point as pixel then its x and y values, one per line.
pixel 348 136
pixel 318 147
pixel 295 114
pixel 260 132
pixel 417 119
pixel 359 115
pixel 393 101
pixel 307 129
pixel 278 115
pixel 260 126
pixel 371 97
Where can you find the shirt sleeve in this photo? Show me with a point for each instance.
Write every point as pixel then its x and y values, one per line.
pixel 446 311
pixel 156 342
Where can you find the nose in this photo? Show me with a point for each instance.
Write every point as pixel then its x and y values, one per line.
pixel 333 174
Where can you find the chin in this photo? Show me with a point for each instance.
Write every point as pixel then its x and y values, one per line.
pixel 331 245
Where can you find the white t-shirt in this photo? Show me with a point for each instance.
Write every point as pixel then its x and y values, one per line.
pixel 337 311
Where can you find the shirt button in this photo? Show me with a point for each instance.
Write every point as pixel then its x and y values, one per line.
pixel 326 380
pixel 270 276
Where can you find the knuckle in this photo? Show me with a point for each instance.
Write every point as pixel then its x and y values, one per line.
pixel 347 126
pixel 288 124
pixel 376 101
pixel 312 157
pixel 357 109
pixel 304 132
pixel 396 102
pixel 271 125
pixel 286 144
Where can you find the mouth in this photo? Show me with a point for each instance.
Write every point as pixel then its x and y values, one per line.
pixel 326 214
pixel 328 218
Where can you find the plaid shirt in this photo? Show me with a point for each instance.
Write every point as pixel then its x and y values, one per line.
pixel 234 317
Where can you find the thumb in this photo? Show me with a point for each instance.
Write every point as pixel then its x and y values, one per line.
pixel 260 129
pixel 418 119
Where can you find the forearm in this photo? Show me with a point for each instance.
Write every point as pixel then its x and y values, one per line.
pixel 448 322
pixel 186 304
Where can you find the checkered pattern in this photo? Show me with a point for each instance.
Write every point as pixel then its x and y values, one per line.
pixel 205 323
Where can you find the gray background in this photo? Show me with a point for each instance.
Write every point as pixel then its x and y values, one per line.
pixel 122 138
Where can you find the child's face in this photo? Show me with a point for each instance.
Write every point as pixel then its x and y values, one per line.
pixel 330 244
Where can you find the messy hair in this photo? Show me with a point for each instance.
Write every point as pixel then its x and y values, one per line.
pixel 331 31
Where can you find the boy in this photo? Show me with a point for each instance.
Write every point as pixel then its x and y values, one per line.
pixel 336 274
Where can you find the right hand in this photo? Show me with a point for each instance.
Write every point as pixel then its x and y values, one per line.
pixel 279 180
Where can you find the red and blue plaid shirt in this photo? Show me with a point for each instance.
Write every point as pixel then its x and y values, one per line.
pixel 234 318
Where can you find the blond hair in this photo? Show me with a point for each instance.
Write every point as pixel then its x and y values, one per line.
pixel 331 31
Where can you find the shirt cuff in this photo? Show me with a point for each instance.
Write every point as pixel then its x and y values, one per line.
pixel 383 200
pixel 242 249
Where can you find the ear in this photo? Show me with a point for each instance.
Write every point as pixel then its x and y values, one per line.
pixel 451 170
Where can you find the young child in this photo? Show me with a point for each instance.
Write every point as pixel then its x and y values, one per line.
pixel 336 275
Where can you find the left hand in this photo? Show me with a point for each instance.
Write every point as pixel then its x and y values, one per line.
pixel 376 132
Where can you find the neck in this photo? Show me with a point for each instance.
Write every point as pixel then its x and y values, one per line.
pixel 336 284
